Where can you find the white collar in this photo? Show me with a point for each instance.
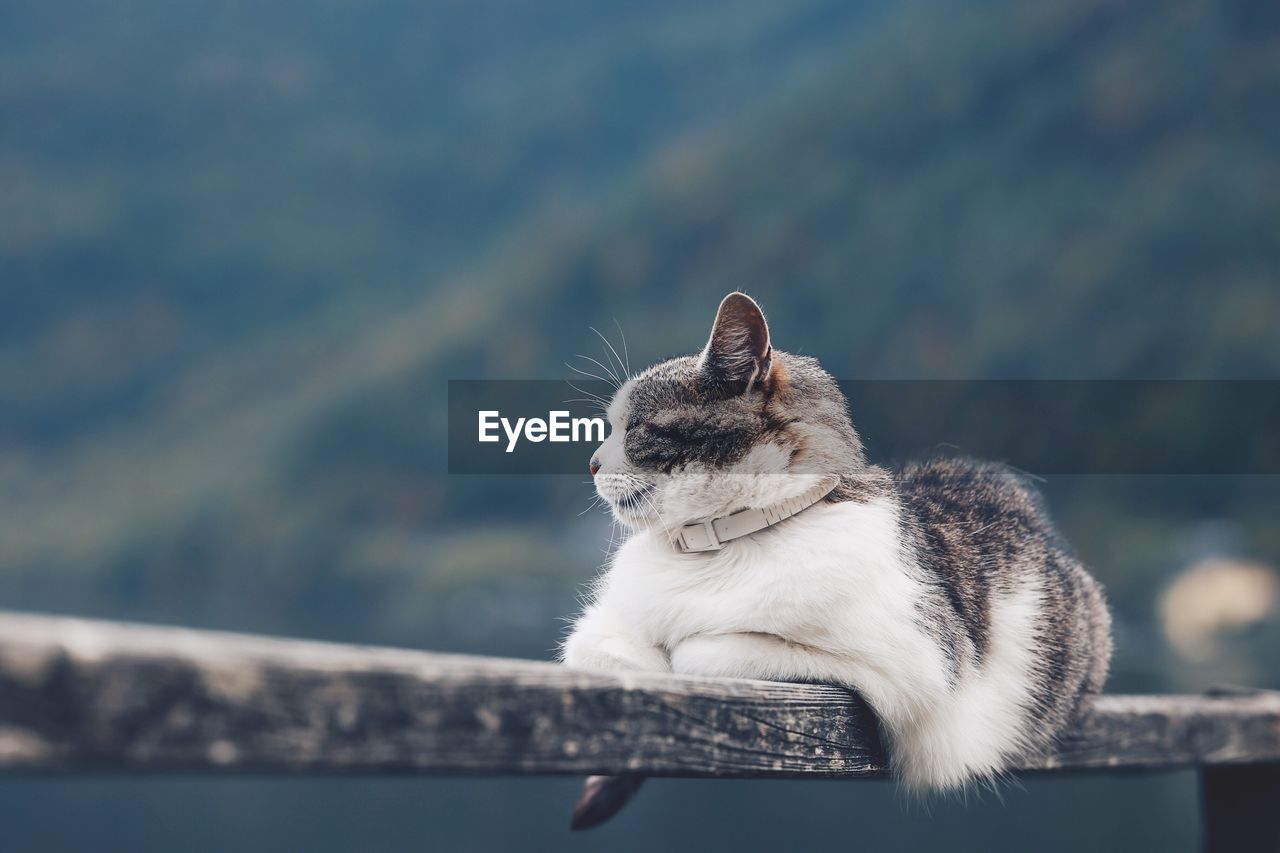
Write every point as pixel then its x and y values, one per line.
pixel 711 534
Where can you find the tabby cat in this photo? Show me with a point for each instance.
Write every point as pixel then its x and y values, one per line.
pixel 764 545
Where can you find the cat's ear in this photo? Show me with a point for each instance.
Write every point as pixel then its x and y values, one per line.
pixel 738 354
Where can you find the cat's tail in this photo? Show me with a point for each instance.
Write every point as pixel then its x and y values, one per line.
pixel 603 797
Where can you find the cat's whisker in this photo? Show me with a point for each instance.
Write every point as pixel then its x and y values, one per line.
pixel 617 383
pixel 626 356
pixel 589 394
pixel 622 367
pixel 595 502
pixel 613 537
pixel 586 373
pixel 595 404
pixel 657 515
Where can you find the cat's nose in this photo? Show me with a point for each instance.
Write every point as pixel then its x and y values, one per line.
pixel 593 466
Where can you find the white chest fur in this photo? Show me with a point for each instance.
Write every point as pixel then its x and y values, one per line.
pixel 835 578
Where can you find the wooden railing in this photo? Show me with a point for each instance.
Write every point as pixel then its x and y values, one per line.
pixel 79 695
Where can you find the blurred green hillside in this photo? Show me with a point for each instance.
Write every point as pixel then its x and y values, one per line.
pixel 185 179
pixel 244 248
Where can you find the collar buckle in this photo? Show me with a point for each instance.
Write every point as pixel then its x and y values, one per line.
pixel 699 536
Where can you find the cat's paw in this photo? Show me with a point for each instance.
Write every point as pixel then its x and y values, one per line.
pixel 613 654
pixel 730 656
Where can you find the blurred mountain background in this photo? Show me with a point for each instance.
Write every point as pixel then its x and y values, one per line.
pixel 243 247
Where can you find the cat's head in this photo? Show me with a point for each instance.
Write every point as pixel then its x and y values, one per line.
pixel 738 425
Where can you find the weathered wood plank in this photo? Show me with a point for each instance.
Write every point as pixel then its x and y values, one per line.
pixel 80 695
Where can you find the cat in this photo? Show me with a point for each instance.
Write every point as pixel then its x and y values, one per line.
pixel 941 593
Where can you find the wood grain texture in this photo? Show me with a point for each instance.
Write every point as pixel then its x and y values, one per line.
pixel 79 695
